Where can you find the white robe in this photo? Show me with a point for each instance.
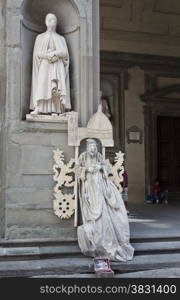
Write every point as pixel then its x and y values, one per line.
pixel 44 72
pixel 105 230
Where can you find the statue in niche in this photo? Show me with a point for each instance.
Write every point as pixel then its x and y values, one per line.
pixel 105 106
pixel 50 91
pixel 105 229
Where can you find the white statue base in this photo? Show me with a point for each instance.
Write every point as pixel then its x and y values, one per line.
pixel 54 118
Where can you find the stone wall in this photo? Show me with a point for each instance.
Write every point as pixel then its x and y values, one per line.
pixel 29 196
pixel 143 26
pixel 135 152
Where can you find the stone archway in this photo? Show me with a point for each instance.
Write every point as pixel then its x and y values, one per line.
pixel 160 103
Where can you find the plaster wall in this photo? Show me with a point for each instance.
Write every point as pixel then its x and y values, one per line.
pixel 135 152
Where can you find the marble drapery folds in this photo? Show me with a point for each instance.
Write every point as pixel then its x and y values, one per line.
pixel 105 229
pixel 49 73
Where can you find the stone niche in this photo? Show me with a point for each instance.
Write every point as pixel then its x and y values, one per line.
pixel 32 23
pixel 76 19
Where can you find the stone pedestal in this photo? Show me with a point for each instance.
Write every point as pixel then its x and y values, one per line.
pixel 49 118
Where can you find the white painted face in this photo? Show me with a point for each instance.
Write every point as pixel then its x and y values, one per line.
pixel 92 148
pixel 51 22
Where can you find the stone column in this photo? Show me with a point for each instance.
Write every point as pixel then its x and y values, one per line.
pixel 96 54
pixel 2 114
pixel 89 59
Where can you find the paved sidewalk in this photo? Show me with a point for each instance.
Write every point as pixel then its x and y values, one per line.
pixel 156 220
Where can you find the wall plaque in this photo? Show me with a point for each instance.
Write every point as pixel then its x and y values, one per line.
pixel 134 135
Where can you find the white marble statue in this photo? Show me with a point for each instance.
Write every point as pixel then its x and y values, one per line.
pixel 105 108
pixel 50 91
pixel 105 230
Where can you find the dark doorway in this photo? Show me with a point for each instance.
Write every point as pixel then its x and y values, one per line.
pixel 168 133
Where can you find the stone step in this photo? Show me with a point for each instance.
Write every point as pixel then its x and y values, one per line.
pixel 19 253
pixel 83 265
pixel 139 237
pixel 35 242
pixel 158 273
pixel 148 262
pixel 40 252
pixel 156 247
pixel 155 237
pixel 24 251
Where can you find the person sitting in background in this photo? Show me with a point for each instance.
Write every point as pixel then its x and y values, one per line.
pixel 164 196
pixel 158 194
pixel 156 191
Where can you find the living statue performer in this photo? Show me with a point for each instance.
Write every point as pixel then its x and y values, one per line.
pixel 105 230
pixel 50 91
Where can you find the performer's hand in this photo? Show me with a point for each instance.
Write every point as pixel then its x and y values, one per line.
pixel 51 54
pixel 54 59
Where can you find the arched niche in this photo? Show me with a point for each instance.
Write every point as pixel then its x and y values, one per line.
pixel 33 23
